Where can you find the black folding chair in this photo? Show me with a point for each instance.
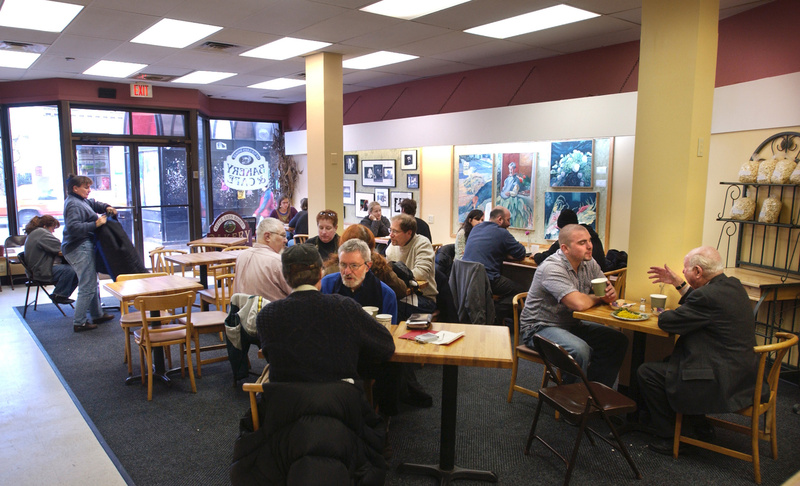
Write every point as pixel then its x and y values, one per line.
pixel 39 284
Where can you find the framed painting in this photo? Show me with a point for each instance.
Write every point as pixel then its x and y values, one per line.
pixel 397 197
pixel 515 177
pixel 349 191
pixel 412 181
pixel 378 173
pixel 382 197
pixel 474 190
pixel 409 158
pixel 583 203
pixel 571 163
pixel 362 203
pixel 351 164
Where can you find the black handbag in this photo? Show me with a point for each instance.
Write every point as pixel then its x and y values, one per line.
pixel 406 275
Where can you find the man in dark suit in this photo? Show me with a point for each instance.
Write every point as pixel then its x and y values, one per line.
pixel 713 366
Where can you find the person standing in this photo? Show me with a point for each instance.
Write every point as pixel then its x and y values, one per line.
pixel 80 221
pixel 41 251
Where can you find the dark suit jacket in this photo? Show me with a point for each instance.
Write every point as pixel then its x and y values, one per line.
pixel 713 366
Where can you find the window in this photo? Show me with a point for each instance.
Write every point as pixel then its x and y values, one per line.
pixel 113 122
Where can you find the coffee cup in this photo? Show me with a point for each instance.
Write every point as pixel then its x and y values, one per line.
pixel 371 310
pixel 599 286
pixel 384 319
pixel 658 302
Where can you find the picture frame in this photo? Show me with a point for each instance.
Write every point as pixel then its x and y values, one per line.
pixel 382 197
pixel 472 185
pixel 349 192
pixel 409 159
pixel 362 203
pixel 572 163
pixel 515 177
pixel 378 173
pixel 412 181
pixel 396 198
pixel 583 203
pixel 351 164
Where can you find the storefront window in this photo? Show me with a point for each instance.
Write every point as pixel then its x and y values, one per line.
pixel 4 233
pixel 201 151
pixel 112 122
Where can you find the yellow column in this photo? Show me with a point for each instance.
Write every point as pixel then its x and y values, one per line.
pixel 324 114
pixel 677 67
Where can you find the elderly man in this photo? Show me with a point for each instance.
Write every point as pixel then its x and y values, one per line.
pixel 416 252
pixel 563 284
pixel 713 366
pixel 258 269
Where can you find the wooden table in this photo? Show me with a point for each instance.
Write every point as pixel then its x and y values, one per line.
pixel 220 240
pixel 203 260
pixel 130 289
pixel 482 346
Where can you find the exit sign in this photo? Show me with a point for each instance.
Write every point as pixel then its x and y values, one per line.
pixel 140 90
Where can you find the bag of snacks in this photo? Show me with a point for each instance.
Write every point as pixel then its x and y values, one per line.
pixel 749 171
pixel 795 177
pixel 770 210
pixel 765 170
pixel 743 209
pixel 783 171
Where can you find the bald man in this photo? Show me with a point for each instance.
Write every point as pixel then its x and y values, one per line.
pixel 713 366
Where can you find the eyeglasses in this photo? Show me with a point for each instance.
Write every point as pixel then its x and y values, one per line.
pixel 394 231
pixel 352 266
pixel 329 214
pixel 282 235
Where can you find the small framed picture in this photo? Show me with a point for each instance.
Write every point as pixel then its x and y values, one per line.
pixel 382 197
pixel 409 158
pixel 377 173
pixel 397 197
pixel 349 191
pixel 412 181
pixel 362 204
pixel 351 164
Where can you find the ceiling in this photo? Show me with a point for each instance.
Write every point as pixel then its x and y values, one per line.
pixel 103 29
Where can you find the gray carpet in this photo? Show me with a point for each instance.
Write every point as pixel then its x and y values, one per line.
pixel 180 438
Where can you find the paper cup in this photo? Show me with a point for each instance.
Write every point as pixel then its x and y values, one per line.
pixel 658 301
pixel 599 286
pixel 371 310
pixel 384 319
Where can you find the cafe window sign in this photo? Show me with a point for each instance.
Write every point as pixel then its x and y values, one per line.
pixel 245 170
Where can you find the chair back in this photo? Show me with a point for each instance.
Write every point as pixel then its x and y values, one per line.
pixel 223 290
pixel 15 241
pixel 251 226
pixel 785 342
pixel 159 264
pixel 21 258
pixel 618 278
pixel 557 359
pixel 235 247
pixel 179 305
pixel 203 247
pixel 300 239
pixel 518 303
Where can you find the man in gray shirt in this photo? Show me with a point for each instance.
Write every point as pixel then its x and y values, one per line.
pixel 563 284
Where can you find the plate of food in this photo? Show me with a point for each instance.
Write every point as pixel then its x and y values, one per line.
pixel 629 315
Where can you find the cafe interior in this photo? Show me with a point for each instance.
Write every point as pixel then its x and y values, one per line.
pixel 672 99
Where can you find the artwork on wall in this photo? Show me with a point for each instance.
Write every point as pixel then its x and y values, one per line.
pixel 583 203
pixel 397 197
pixel 362 203
pixel 351 164
pixel 378 173
pixel 474 185
pixel 515 177
pixel 409 158
pixel 349 191
pixel 571 163
pixel 412 181
pixel 382 197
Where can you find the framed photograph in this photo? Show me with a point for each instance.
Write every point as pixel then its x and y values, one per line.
pixel 571 163
pixel 473 187
pixel 396 198
pixel 378 173
pixel 515 175
pixel 583 203
pixel 351 164
pixel 382 197
pixel 349 192
pixel 412 181
pixel 409 158
pixel 362 203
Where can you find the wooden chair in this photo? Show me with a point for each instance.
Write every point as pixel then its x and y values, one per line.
pixel 521 351
pixel 236 247
pixel 158 330
pixel 252 389
pixel 209 322
pixel 209 296
pixel 129 320
pixel 766 407
pixel 11 260
pixel 300 239
pixel 39 284
pixel 204 247
pixel 159 265
pixel 577 402
pixel 618 280
pixel 436 247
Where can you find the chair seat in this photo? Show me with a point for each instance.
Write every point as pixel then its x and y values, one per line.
pixel 571 399
pixel 528 353
pixel 161 337
pixel 207 295
pixel 207 319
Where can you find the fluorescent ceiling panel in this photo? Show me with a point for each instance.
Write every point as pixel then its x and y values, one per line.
pixel 380 58
pixel 41 15
pixel 175 33
pixel 114 69
pixel 532 22
pixel 410 9
pixel 278 84
pixel 15 59
pixel 203 77
pixel 285 48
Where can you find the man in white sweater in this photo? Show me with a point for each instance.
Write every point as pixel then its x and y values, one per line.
pixel 416 252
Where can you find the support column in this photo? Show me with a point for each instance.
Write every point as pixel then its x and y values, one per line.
pixel 677 69
pixel 324 114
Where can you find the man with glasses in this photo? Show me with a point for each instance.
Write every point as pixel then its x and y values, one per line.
pixel 416 252
pixel 258 269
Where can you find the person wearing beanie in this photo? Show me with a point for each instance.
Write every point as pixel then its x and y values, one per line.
pixel 566 217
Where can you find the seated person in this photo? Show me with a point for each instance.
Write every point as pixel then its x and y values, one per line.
pixel 713 367
pixel 416 252
pixel 299 224
pixel 474 218
pixel 258 269
pixel 377 223
pixel 566 217
pixel 326 241
pixel 409 207
pixel 41 251
pixel 563 284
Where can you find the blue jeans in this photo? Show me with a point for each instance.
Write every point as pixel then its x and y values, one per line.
pixel 65 279
pixel 598 349
pixel 82 261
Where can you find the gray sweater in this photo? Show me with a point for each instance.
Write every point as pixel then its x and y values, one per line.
pixel 41 249
pixel 79 220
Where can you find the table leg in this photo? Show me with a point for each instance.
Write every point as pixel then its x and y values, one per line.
pixel 637 358
pixel 446 471
pixel 204 276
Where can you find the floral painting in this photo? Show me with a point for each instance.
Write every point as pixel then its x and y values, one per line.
pixel 583 203
pixel 514 182
pixel 571 163
pixel 474 184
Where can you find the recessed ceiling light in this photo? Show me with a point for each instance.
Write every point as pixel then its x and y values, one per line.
pixel 380 58
pixel 203 77
pixel 175 33
pixel 532 22
pixel 114 69
pixel 14 59
pixel 41 15
pixel 285 48
pixel 410 9
pixel 278 84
